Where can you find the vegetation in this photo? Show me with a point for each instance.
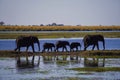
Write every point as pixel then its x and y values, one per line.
pixel 57 28
pixel 10 35
pixel 97 69
pixel 88 53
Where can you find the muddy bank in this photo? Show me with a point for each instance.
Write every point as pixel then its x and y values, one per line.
pixel 89 53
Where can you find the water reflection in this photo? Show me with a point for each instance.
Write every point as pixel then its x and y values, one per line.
pixel 30 62
pixel 25 62
pixel 94 62
pixel 52 69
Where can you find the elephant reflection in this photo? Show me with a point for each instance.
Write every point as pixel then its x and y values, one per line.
pixel 26 41
pixel 21 63
pixel 75 45
pixel 48 46
pixel 93 40
pixel 62 44
pixel 94 62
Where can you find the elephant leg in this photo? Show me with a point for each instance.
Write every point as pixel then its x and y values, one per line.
pixel 48 49
pixel 63 49
pixel 56 49
pixel 66 48
pixel 51 49
pixel 93 47
pixel 43 50
pixel 97 46
pixel 33 48
pixel 85 48
pixel 18 49
pixel 15 49
pixel 27 48
pixel 80 47
pixel 71 49
pixel 76 48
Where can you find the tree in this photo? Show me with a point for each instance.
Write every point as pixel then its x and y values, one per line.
pixel 54 24
pixel 2 23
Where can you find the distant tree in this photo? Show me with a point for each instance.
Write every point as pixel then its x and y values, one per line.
pixel 41 25
pixel 78 25
pixel 54 24
pixel 2 23
pixel 60 24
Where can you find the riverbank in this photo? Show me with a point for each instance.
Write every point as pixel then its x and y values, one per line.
pixel 57 28
pixel 89 53
pixel 68 34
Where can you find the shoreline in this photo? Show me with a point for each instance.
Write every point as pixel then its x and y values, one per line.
pixel 55 38
pixel 56 34
pixel 88 53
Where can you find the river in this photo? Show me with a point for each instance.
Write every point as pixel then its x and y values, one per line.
pixel 110 43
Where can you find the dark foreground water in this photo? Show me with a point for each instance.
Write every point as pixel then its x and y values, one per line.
pixel 15 69
pixel 110 43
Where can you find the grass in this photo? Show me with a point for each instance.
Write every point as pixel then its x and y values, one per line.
pixel 96 69
pixel 57 28
pixel 11 35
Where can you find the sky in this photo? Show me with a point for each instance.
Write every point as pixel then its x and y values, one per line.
pixel 68 12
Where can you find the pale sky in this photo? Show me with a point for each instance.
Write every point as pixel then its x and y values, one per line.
pixel 68 12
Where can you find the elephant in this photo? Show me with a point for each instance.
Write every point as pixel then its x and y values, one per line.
pixel 75 45
pixel 26 41
pixel 62 44
pixel 93 40
pixel 48 46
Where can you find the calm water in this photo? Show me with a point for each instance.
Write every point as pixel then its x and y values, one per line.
pixel 111 43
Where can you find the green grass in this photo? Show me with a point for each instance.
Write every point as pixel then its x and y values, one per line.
pixel 96 69
pixel 59 34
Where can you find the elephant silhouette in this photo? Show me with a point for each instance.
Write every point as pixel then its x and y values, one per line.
pixel 48 46
pixel 75 45
pixel 26 41
pixel 93 40
pixel 62 44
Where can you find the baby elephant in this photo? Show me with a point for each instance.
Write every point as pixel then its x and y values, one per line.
pixel 48 46
pixel 75 45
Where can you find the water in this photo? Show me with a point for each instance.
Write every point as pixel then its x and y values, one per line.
pixel 110 43
pixel 55 70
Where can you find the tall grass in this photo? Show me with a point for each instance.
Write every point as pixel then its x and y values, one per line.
pixel 57 28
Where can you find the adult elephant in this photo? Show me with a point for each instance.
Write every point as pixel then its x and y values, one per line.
pixel 93 40
pixel 26 41
pixel 48 46
pixel 62 44
pixel 75 45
